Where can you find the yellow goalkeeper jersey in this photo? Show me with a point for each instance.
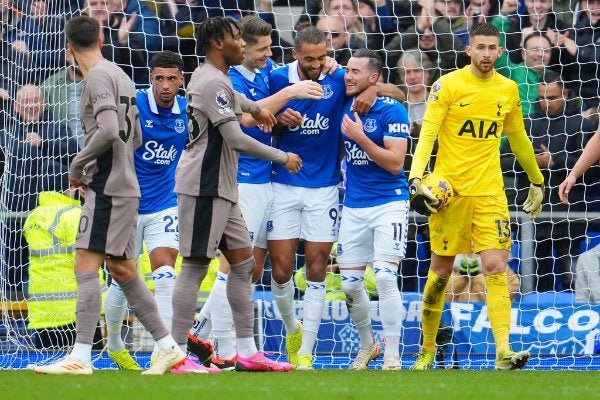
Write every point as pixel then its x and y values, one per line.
pixel 472 113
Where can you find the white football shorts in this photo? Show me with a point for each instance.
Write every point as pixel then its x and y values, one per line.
pixel 160 229
pixel 255 202
pixel 373 233
pixel 311 214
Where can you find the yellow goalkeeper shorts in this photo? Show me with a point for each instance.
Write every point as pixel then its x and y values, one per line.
pixel 471 224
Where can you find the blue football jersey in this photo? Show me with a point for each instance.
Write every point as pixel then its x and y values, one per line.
pixel 317 139
pixel 367 184
pixel 255 85
pixel 164 135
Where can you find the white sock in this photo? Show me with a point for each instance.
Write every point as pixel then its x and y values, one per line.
pixel 224 347
pixel 115 309
pixel 167 342
pixel 223 328
pixel 164 281
pixel 314 303
pixel 390 305
pixel 284 297
pixel 82 352
pixel 202 324
pixel 358 303
pixel 246 347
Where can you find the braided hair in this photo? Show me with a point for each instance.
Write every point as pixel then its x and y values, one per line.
pixel 213 30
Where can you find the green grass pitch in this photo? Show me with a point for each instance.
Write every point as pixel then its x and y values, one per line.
pixel 328 384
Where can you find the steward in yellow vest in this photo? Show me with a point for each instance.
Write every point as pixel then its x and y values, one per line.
pixel 50 231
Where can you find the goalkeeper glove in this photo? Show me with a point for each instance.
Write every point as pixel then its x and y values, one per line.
pixel 421 199
pixel 533 202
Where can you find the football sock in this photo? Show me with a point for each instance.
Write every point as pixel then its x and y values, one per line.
pixel 284 297
pixel 164 281
pixel 82 352
pixel 358 303
pixel 433 305
pixel 239 294
pixel 314 303
pixel 185 298
pixel 222 322
pixel 87 309
pixel 115 309
pixel 390 305
pixel 499 309
pixel 144 307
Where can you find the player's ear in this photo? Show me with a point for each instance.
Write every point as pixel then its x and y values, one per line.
pixel 373 78
pixel 294 54
pixel 468 50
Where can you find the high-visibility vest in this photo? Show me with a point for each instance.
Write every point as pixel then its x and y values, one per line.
pixel 50 231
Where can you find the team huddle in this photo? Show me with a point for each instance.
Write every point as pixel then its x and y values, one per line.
pixel 265 148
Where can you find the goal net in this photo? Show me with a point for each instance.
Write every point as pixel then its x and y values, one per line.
pixel 554 261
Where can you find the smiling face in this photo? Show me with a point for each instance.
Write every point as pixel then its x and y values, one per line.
pixel 359 76
pixel 537 51
pixel 311 59
pixel 592 9
pixel 258 53
pixel 30 103
pixel 484 51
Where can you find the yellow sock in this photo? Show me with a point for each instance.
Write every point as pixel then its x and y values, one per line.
pixel 433 305
pixel 498 302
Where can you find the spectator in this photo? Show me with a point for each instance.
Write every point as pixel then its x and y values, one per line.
pixel 582 55
pixel 558 133
pixel 538 17
pixel 337 38
pixel 281 48
pixel 37 146
pixel 535 57
pixel 63 91
pixel 431 37
pixel 32 47
pixel 347 12
pixel 414 71
pixel 467 282
pixel 50 231
pixel 587 277
pixel 36 149
pixel 118 46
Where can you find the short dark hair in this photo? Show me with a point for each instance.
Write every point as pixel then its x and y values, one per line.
pixel 375 63
pixel 166 59
pixel 536 34
pixel 484 29
pixel 82 32
pixel 550 77
pixel 253 27
pixel 309 35
pixel 214 30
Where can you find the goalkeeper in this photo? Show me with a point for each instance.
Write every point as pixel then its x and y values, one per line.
pixel 467 111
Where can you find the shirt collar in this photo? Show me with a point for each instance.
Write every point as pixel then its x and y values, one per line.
pixel 250 75
pixel 154 107
pixel 293 75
